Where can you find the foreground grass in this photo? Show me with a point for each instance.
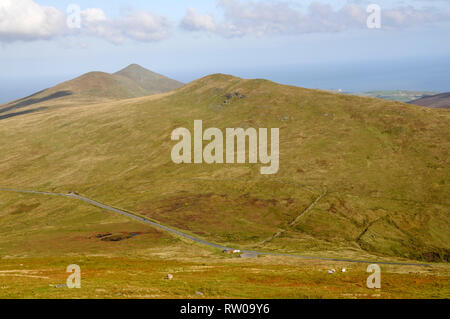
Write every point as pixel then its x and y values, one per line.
pixel 213 277
pixel 40 237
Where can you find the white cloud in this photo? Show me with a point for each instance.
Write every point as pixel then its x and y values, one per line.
pixel 266 18
pixel 93 15
pixel 137 25
pixel 25 20
pixel 144 26
pixel 28 21
pixel 408 16
pixel 194 21
pixel 95 23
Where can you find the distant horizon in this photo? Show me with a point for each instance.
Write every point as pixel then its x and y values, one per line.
pixel 350 78
pixel 356 46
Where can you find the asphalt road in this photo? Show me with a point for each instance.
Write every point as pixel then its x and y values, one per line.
pixel 196 239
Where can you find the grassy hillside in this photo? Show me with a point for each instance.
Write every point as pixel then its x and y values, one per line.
pixel 383 165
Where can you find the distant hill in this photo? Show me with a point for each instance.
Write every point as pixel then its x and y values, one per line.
pixel 441 101
pixel 94 87
pixel 397 95
pixel 150 81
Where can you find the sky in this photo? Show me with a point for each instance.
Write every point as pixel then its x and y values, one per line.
pixel 316 44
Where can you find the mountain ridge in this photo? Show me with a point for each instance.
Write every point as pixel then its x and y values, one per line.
pixel 96 86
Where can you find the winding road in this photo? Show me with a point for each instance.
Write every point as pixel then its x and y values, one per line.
pixel 196 239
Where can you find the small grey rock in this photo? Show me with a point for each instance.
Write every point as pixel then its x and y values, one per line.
pixel 61 286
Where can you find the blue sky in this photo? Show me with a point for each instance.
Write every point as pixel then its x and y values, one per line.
pixel 304 43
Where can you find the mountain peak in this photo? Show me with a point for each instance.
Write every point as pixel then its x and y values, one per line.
pixel 133 67
pixel 149 80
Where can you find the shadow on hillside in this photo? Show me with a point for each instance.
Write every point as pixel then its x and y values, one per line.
pixel 23 103
pixel 7 116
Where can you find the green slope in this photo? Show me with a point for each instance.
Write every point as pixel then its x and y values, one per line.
pixel 384 166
